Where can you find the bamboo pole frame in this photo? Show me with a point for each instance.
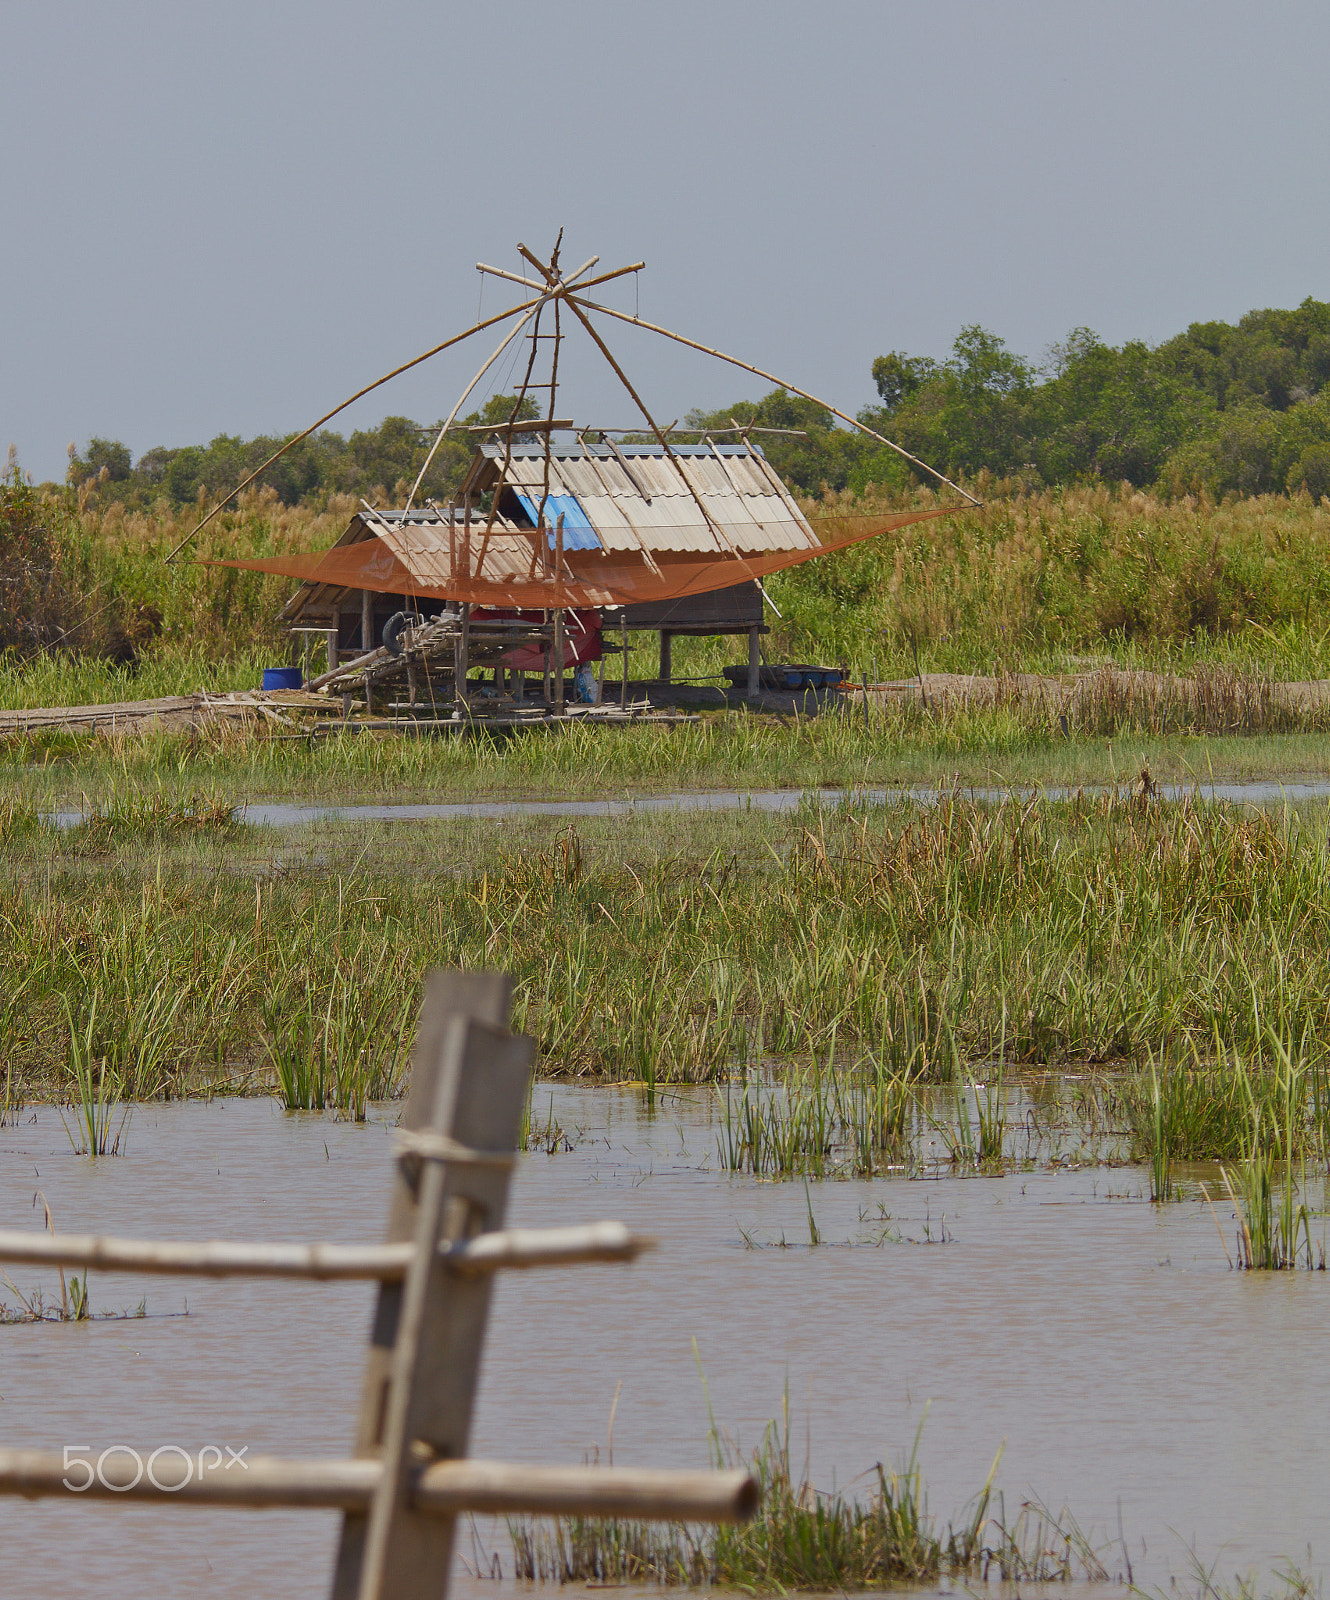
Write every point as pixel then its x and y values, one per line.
pixel 457 338
pixel 770 377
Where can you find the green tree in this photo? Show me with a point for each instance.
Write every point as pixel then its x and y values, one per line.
pixel 899 377
pixel 101 454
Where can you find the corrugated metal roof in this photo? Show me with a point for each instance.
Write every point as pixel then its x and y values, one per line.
pixel 653 502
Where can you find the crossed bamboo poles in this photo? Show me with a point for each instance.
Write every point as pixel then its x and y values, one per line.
pixel 552 287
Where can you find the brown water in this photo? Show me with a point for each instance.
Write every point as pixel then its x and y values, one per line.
pixel 1105 1340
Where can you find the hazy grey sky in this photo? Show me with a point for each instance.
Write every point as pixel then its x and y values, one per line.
pixel 227 218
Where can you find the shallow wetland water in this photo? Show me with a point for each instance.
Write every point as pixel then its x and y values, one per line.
pixel 1128 1370
pixel 1255 792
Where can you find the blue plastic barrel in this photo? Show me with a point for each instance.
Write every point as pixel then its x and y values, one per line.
pixel 282 678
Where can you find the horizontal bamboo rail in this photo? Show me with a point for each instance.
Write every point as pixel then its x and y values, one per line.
pixel 444 1488
pixel 387 1263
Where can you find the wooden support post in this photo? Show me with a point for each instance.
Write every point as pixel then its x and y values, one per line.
pixel 334 638
pixel 623 684
pixel 412 684
pixel 366 620
pixel 754 661
pixel 307 656
pixel 556 663
pixel 461 648
pixel 369 695
pixel 468 1090
pixel 664 656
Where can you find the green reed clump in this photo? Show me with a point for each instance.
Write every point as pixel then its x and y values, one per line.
pixel 136 815
pixel 1274 1224
pixel 1221 1105
pixel 826 1122
pixel 1161 1158
pixel 805 1539
pixel 343 1048
pixel 97 1093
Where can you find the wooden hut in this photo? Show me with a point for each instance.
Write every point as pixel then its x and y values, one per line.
pixel 590 505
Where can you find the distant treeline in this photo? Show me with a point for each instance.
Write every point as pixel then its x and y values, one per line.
pixel 1220 408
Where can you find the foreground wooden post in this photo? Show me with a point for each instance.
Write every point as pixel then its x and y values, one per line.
pixel 468 1090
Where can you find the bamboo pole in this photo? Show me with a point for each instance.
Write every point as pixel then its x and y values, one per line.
pixel 556 663
pixel 707 350
pixel 511 1248
pixel 479 327
pixel 170 1475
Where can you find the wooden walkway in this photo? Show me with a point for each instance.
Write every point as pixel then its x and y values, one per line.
pixel 296 712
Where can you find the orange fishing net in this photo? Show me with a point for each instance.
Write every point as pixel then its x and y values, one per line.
pixel 438 562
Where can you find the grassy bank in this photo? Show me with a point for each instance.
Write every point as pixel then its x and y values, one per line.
pixel 183 948
pixel 1103 737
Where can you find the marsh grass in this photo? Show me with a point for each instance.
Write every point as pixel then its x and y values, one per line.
pixel 1290 1582
pixel 1266 1186
pixel 803 1538
pixel 1161 1159
pixel 827 1121
pixel 97 1093
pixel 910 943
pixel 1032 579
pixel 75 1304
pixel 341 1048
pixel 150 815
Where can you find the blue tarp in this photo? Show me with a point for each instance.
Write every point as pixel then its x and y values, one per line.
pixel 578 534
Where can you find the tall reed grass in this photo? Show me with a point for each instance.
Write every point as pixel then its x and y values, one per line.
pixel 1025 577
